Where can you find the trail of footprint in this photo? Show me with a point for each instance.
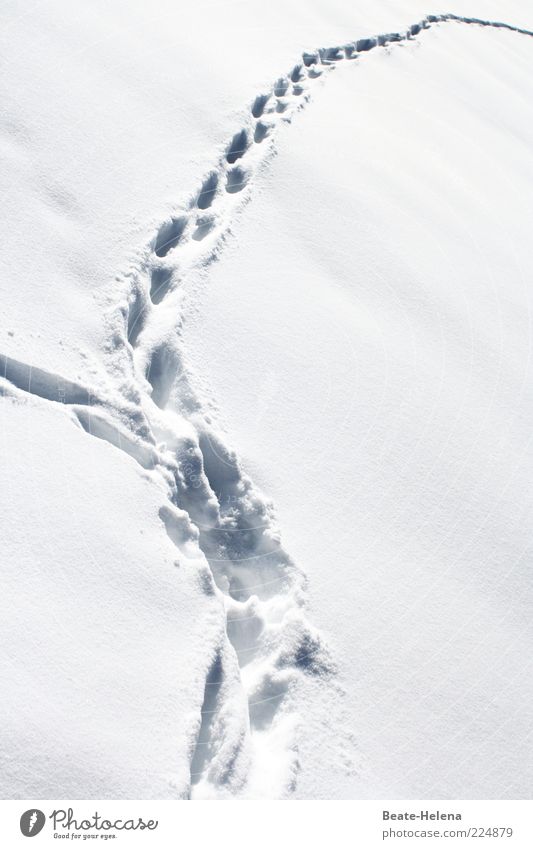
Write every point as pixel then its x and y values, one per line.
pixel 266 624
pixel 268 111
pixel 267 634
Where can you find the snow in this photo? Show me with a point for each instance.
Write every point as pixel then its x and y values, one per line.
pixel 345 323
pixel 99 614
pixel 369 331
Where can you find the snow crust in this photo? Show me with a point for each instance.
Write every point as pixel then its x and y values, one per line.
pixel 345 323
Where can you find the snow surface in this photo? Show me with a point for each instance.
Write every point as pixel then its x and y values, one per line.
pixel 369 333
pixel 351 317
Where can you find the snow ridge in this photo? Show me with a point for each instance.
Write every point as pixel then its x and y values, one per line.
pixel 245 740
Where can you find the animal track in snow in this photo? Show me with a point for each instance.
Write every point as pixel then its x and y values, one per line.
pixel 169 235
pixel 261 132
pixel 45 384
pixel 102 426
pixel 208 191
pixel 236 180
pixel 204 226
pixel 160 281
pixel 259 105
pixel 238 147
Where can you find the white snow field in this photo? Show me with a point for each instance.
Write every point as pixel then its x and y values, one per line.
pixel 265 400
